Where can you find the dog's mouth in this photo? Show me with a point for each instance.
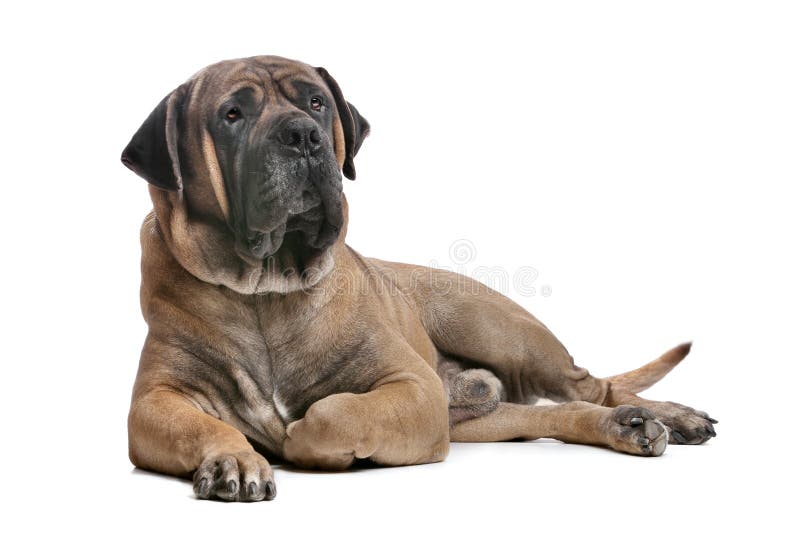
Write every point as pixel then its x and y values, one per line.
pixel 294 246
pixel 288 217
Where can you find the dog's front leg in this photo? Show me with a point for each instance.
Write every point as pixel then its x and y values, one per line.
pixel 169 434
pixel 402 420
pixel 625 428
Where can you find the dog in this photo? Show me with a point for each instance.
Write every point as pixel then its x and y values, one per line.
pixel 269 336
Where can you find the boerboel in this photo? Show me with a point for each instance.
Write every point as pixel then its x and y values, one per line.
pixel 268 335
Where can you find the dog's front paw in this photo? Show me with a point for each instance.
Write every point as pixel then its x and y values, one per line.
pixel 636 430
pixel 687 426
pixel 237 476
pixel 321 440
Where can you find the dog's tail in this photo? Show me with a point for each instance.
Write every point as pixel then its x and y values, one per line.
pixel 647 375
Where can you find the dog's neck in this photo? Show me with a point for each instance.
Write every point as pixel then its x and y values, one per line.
pixel 205 249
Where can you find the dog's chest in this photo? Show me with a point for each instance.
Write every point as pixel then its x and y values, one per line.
pixel 293 362
pixel 264 389
pixel 302 373
pixel 273 360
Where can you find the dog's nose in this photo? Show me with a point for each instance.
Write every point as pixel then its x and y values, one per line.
pixel 300 134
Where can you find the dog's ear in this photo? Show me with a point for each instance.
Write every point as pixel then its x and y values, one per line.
pixel 356 127
pixel 153 150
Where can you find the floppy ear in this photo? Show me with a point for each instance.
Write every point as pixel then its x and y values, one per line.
pixel 153 150
pixel 356 127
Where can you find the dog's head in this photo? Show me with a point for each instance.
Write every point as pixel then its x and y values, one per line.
pixel 254 149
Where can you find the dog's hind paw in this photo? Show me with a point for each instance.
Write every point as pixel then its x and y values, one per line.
pixel 687 426
pixel 473 393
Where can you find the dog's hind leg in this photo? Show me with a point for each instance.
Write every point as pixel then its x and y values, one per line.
pixel 466 319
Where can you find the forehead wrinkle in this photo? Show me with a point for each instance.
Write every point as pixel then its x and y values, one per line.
pixel 272 74
pixel 288 89
pixel 256 86
pixel 289 85
pixel 268 86
pixel 281 71
pixel 280 84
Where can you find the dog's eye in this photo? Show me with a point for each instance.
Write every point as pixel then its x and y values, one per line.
pixel 316 103
pixel 233 114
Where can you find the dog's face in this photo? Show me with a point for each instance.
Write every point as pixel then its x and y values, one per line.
pixel 256 145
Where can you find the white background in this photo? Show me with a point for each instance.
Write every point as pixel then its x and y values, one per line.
pixel 641 156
